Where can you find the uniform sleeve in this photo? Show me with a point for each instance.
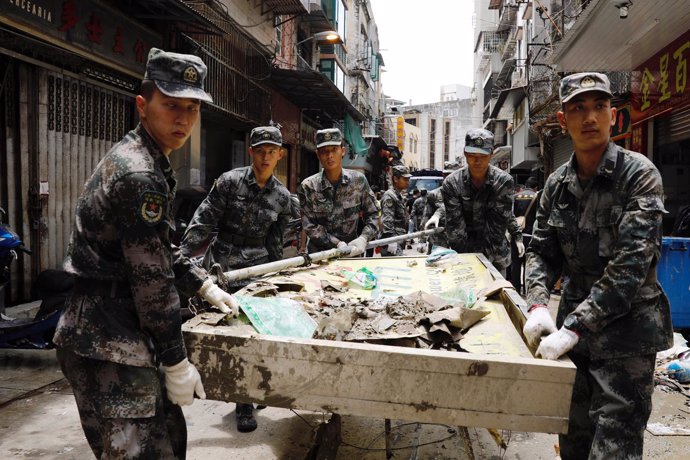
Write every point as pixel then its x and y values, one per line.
pixel 637 245
pixel 387 215
pixel 146 251
pixel 498 217
pixel 201 226
pixel 206 218
pixel 514 228
pixel 370 212
pixel 456 228
pixel 314 231
pixel 276 232
pixel 544 261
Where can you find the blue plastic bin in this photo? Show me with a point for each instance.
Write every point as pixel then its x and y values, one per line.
pixel 673 273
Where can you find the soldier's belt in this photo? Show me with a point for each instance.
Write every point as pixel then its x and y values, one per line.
pixel 102 288
pixel 239 240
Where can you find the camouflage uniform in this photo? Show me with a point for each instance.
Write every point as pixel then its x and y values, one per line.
pixel 477 219
pixel 606 239
pixel 418 208
pixel 394 218
pixel 250 221
pixel 123 319
pixel 330 214
pixel 434 205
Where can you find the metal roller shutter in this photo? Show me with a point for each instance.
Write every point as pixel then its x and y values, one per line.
pixel 675 128
pixel 562 150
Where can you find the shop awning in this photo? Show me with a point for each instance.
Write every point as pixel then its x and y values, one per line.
pixel 313 92
pixel 508 98
pixel 353 134
pixel 527 165
pixel 191 15
pixel 283 6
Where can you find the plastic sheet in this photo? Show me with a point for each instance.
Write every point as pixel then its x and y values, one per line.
pixel 277 316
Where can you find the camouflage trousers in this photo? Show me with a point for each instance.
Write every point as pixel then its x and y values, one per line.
pixel 610 406
pixel 124 410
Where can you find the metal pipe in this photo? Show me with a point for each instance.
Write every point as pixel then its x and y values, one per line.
pixel 278 265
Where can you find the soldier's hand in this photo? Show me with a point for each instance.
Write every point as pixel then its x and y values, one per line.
pixel 220 299
pixel 392 248
pixel 182 381
pixel 520 248
pixel 538 324
pixel 359 245
pixel 432 222
pixel 557 344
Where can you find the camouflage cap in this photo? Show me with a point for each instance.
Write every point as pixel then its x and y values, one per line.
pixel 577 83
pixel 401 171
pixel 331 136
pixel 265 135
pixel 177 75
pixel 479 141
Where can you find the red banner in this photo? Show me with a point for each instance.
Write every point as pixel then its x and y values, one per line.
pixel 662 83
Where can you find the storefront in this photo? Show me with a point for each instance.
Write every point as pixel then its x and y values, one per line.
pixel 661 120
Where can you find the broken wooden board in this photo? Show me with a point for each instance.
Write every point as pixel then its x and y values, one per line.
pixel 497 385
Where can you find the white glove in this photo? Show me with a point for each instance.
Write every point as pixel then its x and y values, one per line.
pixel 219 298
pixel 181 382
pixel 557 344
pixel 538 324
pixel 520 248
pixel 432 222
pixel 341 245
pixel 359 245
pixel 392 248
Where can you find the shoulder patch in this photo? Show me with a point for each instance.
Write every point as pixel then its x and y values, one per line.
pixel 151 207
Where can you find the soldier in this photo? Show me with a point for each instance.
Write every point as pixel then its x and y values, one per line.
pixel 123 319
pixel 333 199
pixel 418 209
pixel 434 216
pixel 524 203
pixel 250 209
pixel 599 222
pixel 394 216
pixel 478 202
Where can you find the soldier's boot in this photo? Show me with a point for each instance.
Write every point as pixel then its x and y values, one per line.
pixel 245 417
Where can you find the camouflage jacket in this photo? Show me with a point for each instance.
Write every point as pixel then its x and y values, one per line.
pixel 250 221
pixel 606 240
pixel 330 214
pixel 121 233
pixel 434 206
pixel 477 219
pixel 394 216
pixel 418 208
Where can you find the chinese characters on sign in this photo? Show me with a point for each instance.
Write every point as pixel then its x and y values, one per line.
pixel 662 81
pixel 87 24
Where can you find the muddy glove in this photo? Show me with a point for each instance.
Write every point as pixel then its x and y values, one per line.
pixel 520 248
pixel 557 344
pixel 181 382
pixel 432 222
pixel 359 245
pixel 392 248
pixel 538 324
pixel 217 297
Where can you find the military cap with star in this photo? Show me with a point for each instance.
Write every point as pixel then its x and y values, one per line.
pixel 577 83
pixel 401 171
pixel 330 136
pixel 479 141
pixel 177 75
pixel 265 135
